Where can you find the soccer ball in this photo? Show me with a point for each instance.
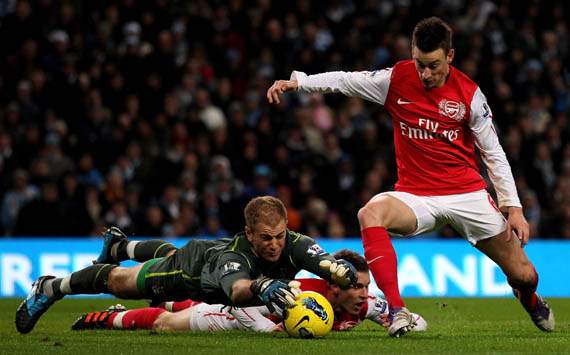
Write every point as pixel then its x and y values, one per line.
pixel 312 316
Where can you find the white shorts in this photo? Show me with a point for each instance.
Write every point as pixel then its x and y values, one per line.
pixel 216 317
pixel 210 318
pixel 474 215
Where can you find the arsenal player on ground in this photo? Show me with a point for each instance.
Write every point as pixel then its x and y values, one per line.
pixel 439 116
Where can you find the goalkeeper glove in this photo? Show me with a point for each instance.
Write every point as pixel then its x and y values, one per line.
pixel 342 272
pixel 275 293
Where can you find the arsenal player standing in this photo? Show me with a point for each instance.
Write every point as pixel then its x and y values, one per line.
pixel 439 117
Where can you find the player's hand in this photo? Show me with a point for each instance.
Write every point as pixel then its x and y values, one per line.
pixel 517 225
pixel 274 293
pixel 342 272
pixel 384 321
pixel 295 287
pixel 278 88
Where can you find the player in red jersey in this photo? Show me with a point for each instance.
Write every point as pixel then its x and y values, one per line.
pixel 439 116
pixel 352 306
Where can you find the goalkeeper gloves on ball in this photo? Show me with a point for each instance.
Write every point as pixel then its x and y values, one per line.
pixel 275 293
pixel 342 272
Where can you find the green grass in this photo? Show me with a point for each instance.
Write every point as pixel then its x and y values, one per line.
pixel 456 326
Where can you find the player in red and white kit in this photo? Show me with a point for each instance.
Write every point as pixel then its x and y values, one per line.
pixel 439 117
pixel 352 306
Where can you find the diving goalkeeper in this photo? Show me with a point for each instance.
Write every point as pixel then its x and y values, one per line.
pixel 247 270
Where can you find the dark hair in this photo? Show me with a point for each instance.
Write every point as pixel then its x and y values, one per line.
pixel 431 34
pixel 354 258
pixel 264 208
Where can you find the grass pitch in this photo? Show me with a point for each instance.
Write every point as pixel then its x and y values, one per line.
pixel 456 326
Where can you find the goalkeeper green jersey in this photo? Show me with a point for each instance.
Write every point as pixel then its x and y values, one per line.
pixel 206 269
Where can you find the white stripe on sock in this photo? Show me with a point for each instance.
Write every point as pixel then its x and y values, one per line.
pixel 65 287
pixel 131 249
pixel 47 287
pixel 118 320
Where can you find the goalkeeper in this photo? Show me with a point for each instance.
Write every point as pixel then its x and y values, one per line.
pixel 244 271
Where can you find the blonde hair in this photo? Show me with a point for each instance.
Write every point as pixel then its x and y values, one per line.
pixel 268 209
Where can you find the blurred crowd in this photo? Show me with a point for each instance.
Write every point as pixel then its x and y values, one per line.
pixel 151 115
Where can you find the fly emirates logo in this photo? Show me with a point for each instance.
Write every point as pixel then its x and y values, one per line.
pixel 427 130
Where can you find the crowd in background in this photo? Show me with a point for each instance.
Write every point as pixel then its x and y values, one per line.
pixel 152 116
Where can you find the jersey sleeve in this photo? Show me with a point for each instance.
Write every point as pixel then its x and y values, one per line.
pixel 231 267
pixel 307 254
pixel 377 309
pixel 369 85
pixel 253 318
pixel 486 140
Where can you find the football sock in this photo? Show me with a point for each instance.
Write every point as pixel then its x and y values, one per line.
pixel 177 306
pixel 383 263
pixel 91 280
pixel 52 288
pixel 526 292
pixel 119 250
pixel 143 318
pixel 141 250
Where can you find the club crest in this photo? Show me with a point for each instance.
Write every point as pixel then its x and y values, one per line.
pixel 452 109
pixel 230 267
pixel 315 250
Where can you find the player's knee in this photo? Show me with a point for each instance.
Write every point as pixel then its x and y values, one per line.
pixel 373 214
pixel 115 279
pixel 163 322
pixel 120 280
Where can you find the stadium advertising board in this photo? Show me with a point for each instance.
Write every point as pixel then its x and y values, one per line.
pixel 425 267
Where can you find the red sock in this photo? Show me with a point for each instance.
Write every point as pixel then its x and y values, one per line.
pixel 142 318
pixel 383 263
pixel 177 306
pixel 526 293
pixel 110 320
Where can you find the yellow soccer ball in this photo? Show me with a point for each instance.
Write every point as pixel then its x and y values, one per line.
pixel 312 316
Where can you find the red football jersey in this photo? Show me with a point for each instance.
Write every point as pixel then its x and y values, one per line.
pixel 434 145
pixel 435 130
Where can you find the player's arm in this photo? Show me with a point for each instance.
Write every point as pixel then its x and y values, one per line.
pixel 308 255
pixel 378 311
pixel 254 318
pixel 275 294
pixel 233 272
pixel 498 168
pixel 236 282
pixel 369 85
pixel 241 293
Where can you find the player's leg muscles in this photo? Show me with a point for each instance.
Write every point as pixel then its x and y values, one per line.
pixel 388 212
pixel 511 258
pixel 173 321
pixel 122 282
